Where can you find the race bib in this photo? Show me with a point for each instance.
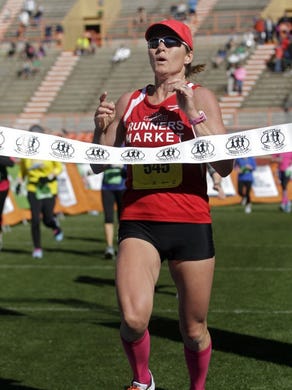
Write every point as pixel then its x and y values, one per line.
pixel 43 192
pixel 112 176
pixel 152 176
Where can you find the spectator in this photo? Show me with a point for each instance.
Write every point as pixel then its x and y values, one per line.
pixel 29 7
pixel 59 33
pixel 35 66
pixel 179 11
pixel 278 59
pixel 232 40
pixel 121 54
pixel 287 103
pixel 4 188
pixel 24 19
pixel 219 58
pixel 173 10
pixel 239 76
pixel 82 45
pixel 287 58
pixel 140 20
pixel 37 17
pixel 260 30
pixel 29 51
pixel 26 70
pixel 238 54
pixel 230 79
pixel 285 18
pixel 48 34
pixel 284 161
pixel 12 50
pixel 192 20
pixel 141 16
pixel 248 40
pixel 90 34
pixel 283 31
pixel 245 168
pixel 241 51
pixel 42 189
pixel 41 51
pixel 192 4
pixel 269 29
pixel 182 11
pixel 285 39
pixel 113 186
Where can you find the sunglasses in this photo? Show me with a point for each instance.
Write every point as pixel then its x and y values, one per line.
pixel 168 42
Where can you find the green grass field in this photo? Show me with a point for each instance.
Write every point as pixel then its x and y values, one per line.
pixel 59 318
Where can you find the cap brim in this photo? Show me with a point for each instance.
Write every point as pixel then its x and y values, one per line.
pixel 169 26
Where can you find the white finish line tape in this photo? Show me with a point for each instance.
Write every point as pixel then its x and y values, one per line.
pixel 255 142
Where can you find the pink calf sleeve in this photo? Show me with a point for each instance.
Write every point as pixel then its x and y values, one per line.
pixel 285 197
pixel 138 353
pixel 198 364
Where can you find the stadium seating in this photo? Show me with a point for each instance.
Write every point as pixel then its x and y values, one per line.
pixel 128 75
pixel 54 13
pixel 270 91
pixel 17 91
pixel 227 5
pixel 93 74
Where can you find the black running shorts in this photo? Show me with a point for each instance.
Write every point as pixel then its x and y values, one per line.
pixel 174 241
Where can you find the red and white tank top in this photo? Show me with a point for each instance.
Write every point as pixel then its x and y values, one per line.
pixel 162 192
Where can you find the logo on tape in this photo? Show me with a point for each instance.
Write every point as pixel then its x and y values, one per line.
pixel 237 144
pixel 2 139
pixel 272 139
pixel 27 144
pixel 97 154
pixel 202 150
pixel 168 154
pixel 62 149
pixel 131 155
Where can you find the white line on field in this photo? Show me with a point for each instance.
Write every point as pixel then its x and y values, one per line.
pixel 46 266
pixel 80 309
pixel 111 266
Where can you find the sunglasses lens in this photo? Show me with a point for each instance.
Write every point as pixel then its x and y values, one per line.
pixel 172 42
pixel 153 43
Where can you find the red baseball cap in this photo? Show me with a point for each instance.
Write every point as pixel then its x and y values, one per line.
pixel 179 28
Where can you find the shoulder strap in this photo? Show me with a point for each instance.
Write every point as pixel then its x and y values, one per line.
pixel 134 100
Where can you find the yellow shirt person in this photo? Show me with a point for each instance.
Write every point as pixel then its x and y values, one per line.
pixel 42 188
pixel 40 175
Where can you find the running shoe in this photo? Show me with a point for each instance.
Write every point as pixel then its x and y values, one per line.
pixel 59 235
pixel 282 207
pixel 285 207
pixel 243 201
pixel 288 207
pixel 37 253
pixel 248 208
pixel 109 253
pixel 140 386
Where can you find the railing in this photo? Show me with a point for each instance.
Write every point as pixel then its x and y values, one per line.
pixel 217 22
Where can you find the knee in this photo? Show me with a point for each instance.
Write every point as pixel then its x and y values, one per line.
pixel 135 322
pixel 195 335
pixel 48 221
